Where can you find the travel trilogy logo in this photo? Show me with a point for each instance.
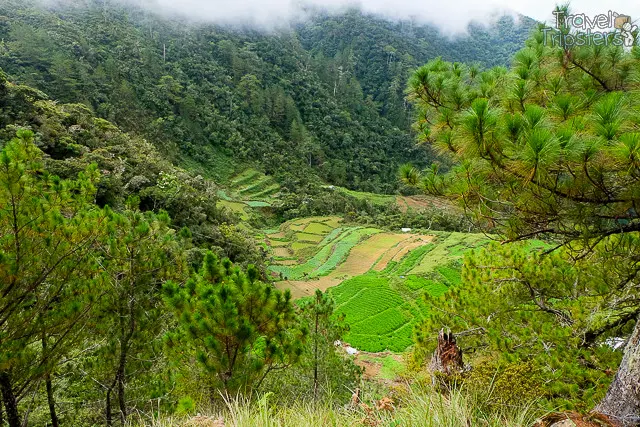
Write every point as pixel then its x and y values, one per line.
pixel 609 28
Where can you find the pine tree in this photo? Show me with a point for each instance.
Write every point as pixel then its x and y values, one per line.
pixel 329 368
pixel 238 328
pixel 47 229
pixel 549 148
pixel 139 253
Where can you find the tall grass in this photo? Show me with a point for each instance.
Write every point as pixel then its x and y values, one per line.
pixel 421 408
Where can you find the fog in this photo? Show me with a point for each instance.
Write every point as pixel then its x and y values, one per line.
pixel 451 16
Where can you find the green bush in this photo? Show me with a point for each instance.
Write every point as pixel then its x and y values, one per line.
pixel 505 384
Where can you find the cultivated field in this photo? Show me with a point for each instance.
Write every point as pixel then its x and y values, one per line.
pixel 377 278
pixel 248 191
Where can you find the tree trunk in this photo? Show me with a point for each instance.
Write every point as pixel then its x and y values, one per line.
pixel 49 385
pixel 107 411
pixel 51 401
pixel 622 402
pixel 315 358
pixel 122 402
pixel 9 400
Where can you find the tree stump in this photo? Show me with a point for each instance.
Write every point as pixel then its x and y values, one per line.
pixel 447 359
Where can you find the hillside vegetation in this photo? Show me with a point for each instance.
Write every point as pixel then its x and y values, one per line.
pixel 214 226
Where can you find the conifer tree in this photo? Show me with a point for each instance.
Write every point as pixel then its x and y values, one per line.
pixel 47 229
pixel 329 368
pixel 238 328
pixel 139 253
pixel 549 148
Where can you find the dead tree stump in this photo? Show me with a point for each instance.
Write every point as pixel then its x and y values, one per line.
pixel 447 359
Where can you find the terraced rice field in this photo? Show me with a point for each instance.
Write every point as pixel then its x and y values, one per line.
pixel 400 250
pixel 366 254
pixel 328 257
pixel 254 187
pixel 237 208
pixel 377 278
pixel 451 248
pixel 248 190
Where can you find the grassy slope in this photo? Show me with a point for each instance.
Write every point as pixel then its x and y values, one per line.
pixel 418 408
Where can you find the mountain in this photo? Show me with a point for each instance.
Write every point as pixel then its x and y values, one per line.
pixel 321 103
pixel 381 53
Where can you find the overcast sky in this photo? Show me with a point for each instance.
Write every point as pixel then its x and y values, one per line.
pixel 450 15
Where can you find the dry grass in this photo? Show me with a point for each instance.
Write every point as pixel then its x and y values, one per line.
pixel 282 251
pixel 422 202
pixel 305 288
pixel 422 408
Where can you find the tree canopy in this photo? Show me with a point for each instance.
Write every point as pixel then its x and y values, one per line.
pixel 548 148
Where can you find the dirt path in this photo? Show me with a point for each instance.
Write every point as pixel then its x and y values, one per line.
pixel 372 364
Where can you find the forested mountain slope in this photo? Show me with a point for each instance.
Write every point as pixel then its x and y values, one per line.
pixel 381 53
pixel 296 103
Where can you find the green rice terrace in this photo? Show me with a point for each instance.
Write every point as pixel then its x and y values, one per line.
pixel 376 277
pixel 246 190
pixel 250 189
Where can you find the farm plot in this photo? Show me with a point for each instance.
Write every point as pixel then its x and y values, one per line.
pixel 383 307
pixel 380 315
pixel 254 186
pixel 237 208
pixel 301 238
pixel 400 250
pixel 307 237
pixel 377 278
pixel 450 247
pixel 284 252
pixel 365 255
pixel 318 228
pixel 328 257
pixel 410 260
pixel 306 288
pixel 298 247
pixel 364 296
pixel 373 311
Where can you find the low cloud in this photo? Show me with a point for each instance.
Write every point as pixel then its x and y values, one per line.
pixel 451 16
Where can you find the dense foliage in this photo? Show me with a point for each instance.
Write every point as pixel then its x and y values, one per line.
pixel 71 139
pixel 548 148
pixel 381 53
pixel 314 103
pixel 86 247
pixel 238 328
pixel 205 93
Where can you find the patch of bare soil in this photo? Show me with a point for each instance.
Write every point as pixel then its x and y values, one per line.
pixel 574 419
pixel 305 288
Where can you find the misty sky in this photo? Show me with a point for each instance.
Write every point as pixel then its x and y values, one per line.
pixel 450 15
